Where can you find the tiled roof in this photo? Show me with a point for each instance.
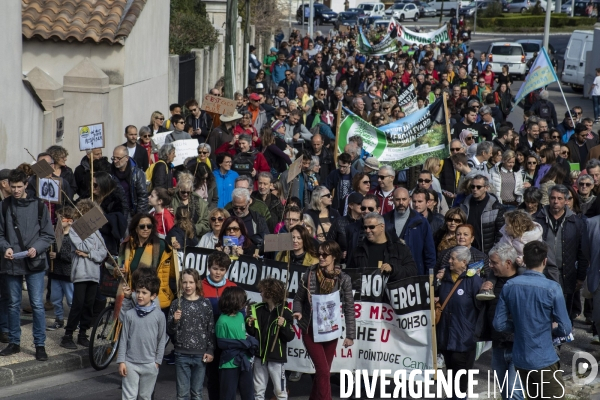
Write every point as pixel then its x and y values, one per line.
pixel 80 20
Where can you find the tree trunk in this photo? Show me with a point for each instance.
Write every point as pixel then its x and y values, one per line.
pixel 230 40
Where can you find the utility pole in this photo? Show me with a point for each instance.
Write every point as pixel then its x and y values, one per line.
pixel 246 44
pixel 230 45
pixel 547 24
pixel 311 18
pixel 572 8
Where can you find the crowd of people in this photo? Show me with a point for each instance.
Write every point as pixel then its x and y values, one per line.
pixel 505 221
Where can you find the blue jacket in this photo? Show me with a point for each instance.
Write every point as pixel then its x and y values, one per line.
pixel 237 350
pixel 418 237
pixel 593 272
pixel 456 329
pixel 225 186
pixel 278 72
pixel 528 305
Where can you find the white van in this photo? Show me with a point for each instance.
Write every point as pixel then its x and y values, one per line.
pixel 450 7
pixel 372 9
pixel 574 67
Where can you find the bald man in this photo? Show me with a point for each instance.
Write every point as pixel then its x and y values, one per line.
pixel 132 180
pixel 414 229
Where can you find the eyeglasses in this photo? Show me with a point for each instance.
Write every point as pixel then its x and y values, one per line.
pixel 239 208
pixel 145 226
pixel 180 122
pixel 366 182
pixel 370 227
pixel 324 255
pixel 194 110
pixel 117 158
pixel 564 153
pixel 215 219
pixel 455 149
pixel 185 192
pixel 203 152
pixel 328 195
pixel 455 220
pixel 233 229
pixel 161 118
pixel 382 177
pixel 469 138
pixel 293 220
pixel 478 187
pixel 555 137
pixel 424 180
pixel 281 91
pixel 282 115
pixel 586 184
pixel 531 162
pixel 363 208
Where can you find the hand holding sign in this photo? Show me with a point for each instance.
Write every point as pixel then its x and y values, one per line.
pixel 219 105
pixel 89 223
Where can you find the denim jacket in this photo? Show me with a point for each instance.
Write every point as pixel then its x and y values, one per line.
pixel 527 306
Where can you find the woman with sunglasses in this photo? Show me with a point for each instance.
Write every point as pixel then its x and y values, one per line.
pixel 547 160
pixel 146 142
pixel 303 252
pixel 216 217
pixel 156 123
pixel 280 99
pixel 468 140
pixel 324 278
pixel 235 227
pixel 203 157
pixel 184 195
pixel 529 170
pixel 465 235
pixel 321 212
pixel 361 183
pixel 445 237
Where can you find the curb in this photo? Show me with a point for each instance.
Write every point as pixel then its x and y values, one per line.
pixel 519 34
pixel 31 370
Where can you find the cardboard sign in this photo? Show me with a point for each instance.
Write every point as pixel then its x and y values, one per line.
pixel 279 242
pixel 184 149
pixel 344 29
pixel 219 105
pixel 48 189
pixel 91 136
pixel 159 138
pixel 42 169
pixel 59 234
pixel 88 224
pixel 295 169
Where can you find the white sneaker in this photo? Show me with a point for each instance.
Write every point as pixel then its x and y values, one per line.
pixel 295 376
pixel 595 340
pixel 486 295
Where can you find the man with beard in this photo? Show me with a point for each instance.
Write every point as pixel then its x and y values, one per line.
pixel 469 123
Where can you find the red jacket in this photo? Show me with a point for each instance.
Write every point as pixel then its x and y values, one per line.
pixel 213 294
pixel 164 221
pixel 387 203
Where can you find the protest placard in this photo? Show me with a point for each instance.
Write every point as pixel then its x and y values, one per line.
pixel 159 138
pixel 184 149
pixel 295 169
pixel 219 105
pixel 58 235
pixel 91 136
pixel 93 220
pixel 42 169
pixel 279 242
pixel 48 189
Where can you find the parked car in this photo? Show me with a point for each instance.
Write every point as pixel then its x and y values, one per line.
pixel 450 7
pixel 520 6
pixel 574 66
pixel 373 8
pixel 507 53
pixel 580 7
pixel 346 18
pixel 425 10
pixel 402 11
pixel 532 46
pixel 322 15
pixel 369 20
pixel 469 11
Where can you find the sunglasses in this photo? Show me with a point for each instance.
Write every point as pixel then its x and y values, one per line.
pixel 363 208
pixel 382 177
pixel 185 192
pixel 455 149
pixel 370 227
pixel 215 219
pixel 586 184
pixel 469 138
pixel 145 226
pixel 239 208
pixel 366 182
pixel 193 110
pixel 233 229
pixel 145 136
pixel 455 220
pixel 203 152
pixel 161 118
pixel 531 163
pixel 478 187
pixel 328 195
pixel 555 137
pixel 324 255
pixel 564 152
pixel 424 180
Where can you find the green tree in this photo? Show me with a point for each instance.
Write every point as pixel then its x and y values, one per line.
pixel 189 27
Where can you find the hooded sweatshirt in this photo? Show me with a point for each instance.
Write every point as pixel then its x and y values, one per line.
pixel 86 269
pixel 519 243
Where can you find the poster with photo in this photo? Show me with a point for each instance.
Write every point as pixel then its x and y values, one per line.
pixel 48 189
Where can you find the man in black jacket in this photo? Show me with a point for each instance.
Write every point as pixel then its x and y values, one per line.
pixel 132 180
pixel 419 200
pixel 337 231
pixel 200 121
pixel 325 156
pixel 381 250
pixel 134 149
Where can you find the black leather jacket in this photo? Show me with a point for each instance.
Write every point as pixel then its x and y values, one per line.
pixel 138 194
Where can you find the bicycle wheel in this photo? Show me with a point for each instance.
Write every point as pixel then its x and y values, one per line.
pixel 104 340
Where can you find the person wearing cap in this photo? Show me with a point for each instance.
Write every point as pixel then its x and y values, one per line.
pixel 278 70
pixel 223 133
pixel 337 231
pixel 259 114
pixel 253 64
pixel 566 128
pixel 371 168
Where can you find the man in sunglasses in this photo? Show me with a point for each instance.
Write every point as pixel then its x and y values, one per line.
pixel 255 224
pixel 449 176
pixel 566 128
pixel 484 213
pixel 380 249
pixel 136 152
pixel 337 232
pixel 200 121
pixel 384 191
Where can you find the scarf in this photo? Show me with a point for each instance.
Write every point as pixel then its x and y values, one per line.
pixel 216 284
pixel 316 121
pixel 327 279
pixel 149 258
pixel 143 311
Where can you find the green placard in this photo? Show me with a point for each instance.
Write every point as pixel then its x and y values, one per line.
pixel 574 166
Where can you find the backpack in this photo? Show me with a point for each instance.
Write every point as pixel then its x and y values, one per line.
pixel 544 111
pixel 6 204
pixel 243 163
pixel 150 173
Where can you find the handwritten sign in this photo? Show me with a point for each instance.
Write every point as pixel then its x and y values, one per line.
pixel 48 189
pixel 344 29
pixel 88 224
pixel 59 234
pixel 184 149
pixel 219 105
pixel 159 138
pixel 279 242
pixel 42 169
pixel 91 136
pixel 295 169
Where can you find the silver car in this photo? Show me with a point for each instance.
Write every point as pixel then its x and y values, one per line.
pixel 521 6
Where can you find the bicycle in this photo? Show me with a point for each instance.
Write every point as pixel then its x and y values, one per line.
pixel 104 340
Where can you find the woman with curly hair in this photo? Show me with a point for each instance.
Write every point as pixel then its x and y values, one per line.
pixel 59 154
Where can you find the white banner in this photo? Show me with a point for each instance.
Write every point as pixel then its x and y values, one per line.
pixel 184 149
pixel 159 138
pixel 409 37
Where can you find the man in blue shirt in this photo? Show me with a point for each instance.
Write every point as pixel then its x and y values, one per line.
pixel 533 308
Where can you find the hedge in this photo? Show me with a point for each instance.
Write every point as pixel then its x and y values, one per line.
pixel 531 21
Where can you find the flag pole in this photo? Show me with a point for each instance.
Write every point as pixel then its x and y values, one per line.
pixel 433 324
pixel 565 99
pixel 337 132
pixel 447 117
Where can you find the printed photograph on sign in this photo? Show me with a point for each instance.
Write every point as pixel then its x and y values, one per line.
pixel 326 317
pixel 49 190
pixel 91 136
